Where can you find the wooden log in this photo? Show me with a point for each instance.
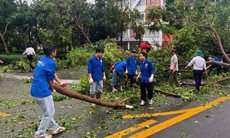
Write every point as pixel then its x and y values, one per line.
pixel 170 94
pixel 82 97
pixel 203 83
pixel 192 84
pixel 126 99
pixel 218 63
pixel 159 91
pixel 223 79
pixel 178 70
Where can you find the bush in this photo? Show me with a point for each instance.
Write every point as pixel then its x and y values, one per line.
pixel 160 58
pixel 19 66
pixel 11 58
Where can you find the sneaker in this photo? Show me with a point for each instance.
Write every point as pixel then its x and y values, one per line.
pixel 142 102
pixel 43 136
pixel 93 105
pixel 58 130
pixel 151 101
pixel 114 90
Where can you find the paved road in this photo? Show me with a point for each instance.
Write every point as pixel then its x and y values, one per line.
pixel 211 120
pixel 211 123
pixel 82 121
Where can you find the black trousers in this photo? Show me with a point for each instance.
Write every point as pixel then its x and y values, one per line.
pixel 30 58
pixel 131 78
pixel 197 77
pixel 149 87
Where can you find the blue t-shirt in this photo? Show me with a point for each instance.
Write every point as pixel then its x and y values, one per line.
pixel 96 68
pixel 217 60
pixel 131 64
pixel 120 66
pixel 147 69
pixel 44 71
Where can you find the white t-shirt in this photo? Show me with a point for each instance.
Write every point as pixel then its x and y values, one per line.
pixel 29 51
pixel 198 63
pixel 174 60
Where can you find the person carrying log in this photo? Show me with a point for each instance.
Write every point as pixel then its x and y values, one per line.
pixel 199 66
pixel 146 76
pixel 96 72
pixel 41 90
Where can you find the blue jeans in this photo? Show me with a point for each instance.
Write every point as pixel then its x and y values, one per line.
pixel 96 87
pixel 47 108
pixel 114 77
pixel 197 77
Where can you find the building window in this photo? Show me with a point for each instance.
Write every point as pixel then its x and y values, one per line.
pixel 152 34
pixel 141 3
pixel 141 18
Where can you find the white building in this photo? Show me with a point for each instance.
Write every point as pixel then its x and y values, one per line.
pixel 154 37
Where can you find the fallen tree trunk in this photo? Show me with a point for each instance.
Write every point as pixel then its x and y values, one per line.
pixel 223 79
pixel 178 70
pixel 159 91
pixel 126 99
pixel 218 63
pixel 82 97
pixel 202 84
pixel 171 94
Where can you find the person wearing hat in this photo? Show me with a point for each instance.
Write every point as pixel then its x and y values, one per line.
pixel 199 65
pixel 173 68
pixel 131 66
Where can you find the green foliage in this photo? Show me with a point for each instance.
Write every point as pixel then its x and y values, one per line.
pixel 76 57
pixel 112 54
pixel 160 58
pixel 19 66
pixel 11 58
pixel 83 86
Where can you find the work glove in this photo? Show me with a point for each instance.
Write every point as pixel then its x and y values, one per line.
pixel 104 79
pixel 136 73
pixel 150 79
pixel 63 84
pixel 91 81
pixel 112 68
pixel 137 79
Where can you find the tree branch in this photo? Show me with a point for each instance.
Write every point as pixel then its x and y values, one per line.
pixel 3 34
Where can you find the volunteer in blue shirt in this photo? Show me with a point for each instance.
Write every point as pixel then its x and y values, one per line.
pixel 41 90
pixel 210 67
pixel 119 68
pixel 146 75
pixel 131 66
pixel 96 72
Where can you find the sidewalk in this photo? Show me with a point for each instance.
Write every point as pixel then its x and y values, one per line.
pixel 29 76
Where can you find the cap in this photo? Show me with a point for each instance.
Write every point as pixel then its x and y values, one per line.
pixel 134 51
pixel 199 53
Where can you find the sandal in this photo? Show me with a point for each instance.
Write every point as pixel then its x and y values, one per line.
pixel 59 130
pixel 43 136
